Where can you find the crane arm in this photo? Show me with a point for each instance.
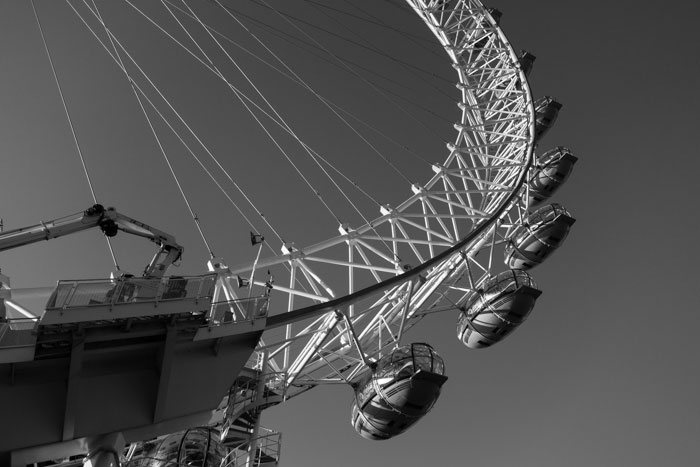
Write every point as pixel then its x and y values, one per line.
pixel 110 222
pixel 52 229
pixel 169 251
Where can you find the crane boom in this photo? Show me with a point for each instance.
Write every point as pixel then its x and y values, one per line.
pixel 110 222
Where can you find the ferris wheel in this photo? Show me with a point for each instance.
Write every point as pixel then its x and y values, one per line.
pixel 337 311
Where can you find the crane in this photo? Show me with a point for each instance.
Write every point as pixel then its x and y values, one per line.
pixel 110 222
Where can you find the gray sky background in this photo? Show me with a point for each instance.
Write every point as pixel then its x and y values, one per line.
pixel 604 372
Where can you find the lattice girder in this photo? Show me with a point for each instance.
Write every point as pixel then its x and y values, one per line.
pixel 478 186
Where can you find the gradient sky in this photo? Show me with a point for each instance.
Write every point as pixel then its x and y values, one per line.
pixel 605 371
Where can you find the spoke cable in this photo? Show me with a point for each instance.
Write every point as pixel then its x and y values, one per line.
pixel 332 63
pixel 374 20
pixel 380 89
pixel 291 78
pixel 269 105
pixel 376 151
pixel 288 16
pixel 403 110
pixel 204 147
pixel 153 131
pixel 310 89
pixel 238 93
pixel 70 124
pixel 164 119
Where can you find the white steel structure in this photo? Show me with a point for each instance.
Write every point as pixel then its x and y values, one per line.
pixel 427 253
pixel 338 306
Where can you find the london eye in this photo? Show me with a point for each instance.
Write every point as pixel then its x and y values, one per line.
pixel 156 368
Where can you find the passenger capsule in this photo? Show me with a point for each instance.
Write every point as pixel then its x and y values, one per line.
pixel 552 170
pixel 542 233
pixel 492 313
pixel 527 61
pixel 480 42
pixel 403 387
pixel 546 111
pixel 496 14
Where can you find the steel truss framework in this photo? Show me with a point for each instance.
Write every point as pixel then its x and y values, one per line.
pixel 339 304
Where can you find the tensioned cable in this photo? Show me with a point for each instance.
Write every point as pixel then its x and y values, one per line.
pixel 376 151
pixel 160 114
pixel 416 39
pixel 330 104
pixel 291 132
pixel 406 112
pixel 235 90
pixel 274 31
pixel 289 129
pixel 310 89
pixel 328 101
pixel 292 40
pixel 70 124
pixel 334 34
pixel 162 96
pixel 411 67
pixel 398 6
pixel 291 78
pixel 411 37
pixel 255 117
pixel 155 108
pixel 296 41
pixel 153 131
pixel 199 141
pixel 376 21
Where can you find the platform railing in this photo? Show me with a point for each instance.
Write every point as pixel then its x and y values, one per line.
pixel 244 309
pixel 269 446
pixel 101 292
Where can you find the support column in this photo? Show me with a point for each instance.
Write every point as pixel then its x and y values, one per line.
pixel 72 392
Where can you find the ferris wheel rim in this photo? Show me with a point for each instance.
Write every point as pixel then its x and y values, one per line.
pixel 503 209
pixel 496 195
pixel 334 304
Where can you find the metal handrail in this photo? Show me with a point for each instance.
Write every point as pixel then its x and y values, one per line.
pixel 100 292
pixel 268 443
pixel 244 398
pixel 244 309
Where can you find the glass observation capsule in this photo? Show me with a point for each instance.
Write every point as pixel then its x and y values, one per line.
pixel 480 43
pixel 527 61
pixel 403 387
pixel 196 446
pixel 546 112
pixel 496 14
pixel 492 313
pixel 552 170
pixel 543 232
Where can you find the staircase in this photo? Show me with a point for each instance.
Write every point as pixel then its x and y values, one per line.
pixel 268 444
pixel 252 392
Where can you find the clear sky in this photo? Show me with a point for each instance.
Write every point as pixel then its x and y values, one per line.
pixel 604 373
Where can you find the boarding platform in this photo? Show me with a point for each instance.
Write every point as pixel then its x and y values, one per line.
pixel 131 356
